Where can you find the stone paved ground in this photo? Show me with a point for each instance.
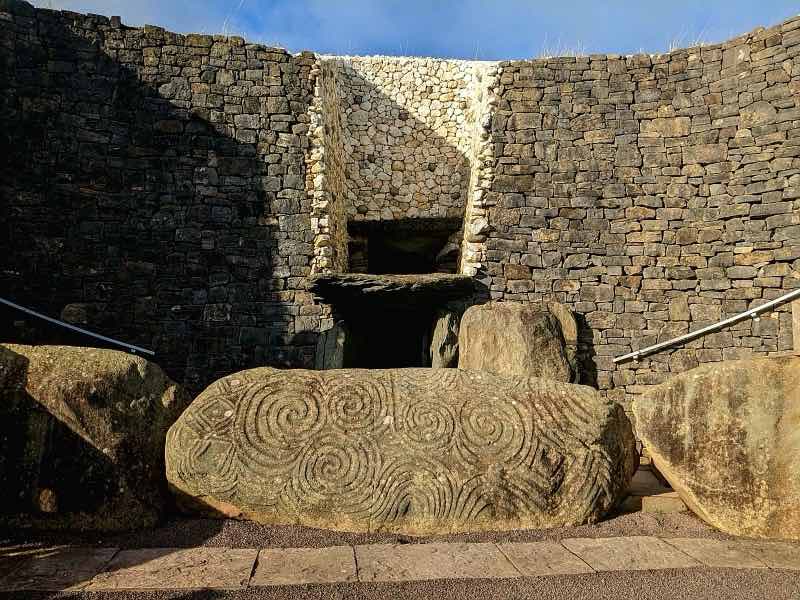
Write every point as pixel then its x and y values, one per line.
pixel 80 569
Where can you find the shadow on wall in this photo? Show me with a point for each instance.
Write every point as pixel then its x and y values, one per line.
pixel 384 162
pixel 131 212
pixel 586 352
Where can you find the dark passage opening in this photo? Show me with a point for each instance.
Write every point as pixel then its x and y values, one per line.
pixel 389 339
pixel 407 246
pixel 388 321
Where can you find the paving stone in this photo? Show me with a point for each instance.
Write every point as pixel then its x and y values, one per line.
pixel 776 555
pixel 177 568
pixel 57 569
pixel 544 558
pixel 717 553
pixel 628 553
pixel 415 562
pixel 295 566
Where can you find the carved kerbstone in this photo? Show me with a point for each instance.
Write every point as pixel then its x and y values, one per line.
pixel 406 450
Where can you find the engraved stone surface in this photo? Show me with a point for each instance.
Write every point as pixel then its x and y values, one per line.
pixel 513 339
pixel 407 450
pixel 726 438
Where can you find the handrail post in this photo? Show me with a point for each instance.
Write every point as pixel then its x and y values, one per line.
pixel 796 326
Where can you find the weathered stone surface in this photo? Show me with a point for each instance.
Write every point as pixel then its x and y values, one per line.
pixel 57 569
pixel 718 554
pixel 300 566
pixel 725 437
pixel 758 113
pixel 419 562
pixel 544 558
pixel 444 340
pixel 331 347
pixel 176 568
pixel 569 331
pixel 635 553
pixel 513 339
pixel 406 450
pixel 396 290
pixel 82 437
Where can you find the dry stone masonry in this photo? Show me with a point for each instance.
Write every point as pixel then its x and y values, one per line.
pixel 177 191
pixel 401 142
pixel 653 195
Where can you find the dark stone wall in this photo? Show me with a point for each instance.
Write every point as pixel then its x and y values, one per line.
pixel 152 189
pixel 654 195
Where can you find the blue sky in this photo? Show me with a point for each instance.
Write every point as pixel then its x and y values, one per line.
pixel 482 29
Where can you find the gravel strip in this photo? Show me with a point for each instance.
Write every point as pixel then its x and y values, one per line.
pixel 187 533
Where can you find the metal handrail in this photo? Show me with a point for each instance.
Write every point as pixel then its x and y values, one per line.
pixel 751 313
pixel 130 347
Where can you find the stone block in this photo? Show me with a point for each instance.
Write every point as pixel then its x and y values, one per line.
pixel 740 472
pixel 58 569
pixel 176 568
pixel 444 340
pixel 83 437
pixel 704 154
pixel 718 554
pixel 420 562
pixel 513 339
pixel 544 558
pixel 666 502
pixel 304 566
pixel 667 127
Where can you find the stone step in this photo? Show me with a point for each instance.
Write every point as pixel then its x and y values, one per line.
pixel 647 494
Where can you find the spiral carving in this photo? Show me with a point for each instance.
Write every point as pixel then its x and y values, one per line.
pixel 336 473
pixel 407 450
pixel 357 405
pixel 428 424
pixel 274 422
pixel 493 432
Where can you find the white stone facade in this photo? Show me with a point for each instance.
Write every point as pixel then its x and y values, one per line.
pixel 396 138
